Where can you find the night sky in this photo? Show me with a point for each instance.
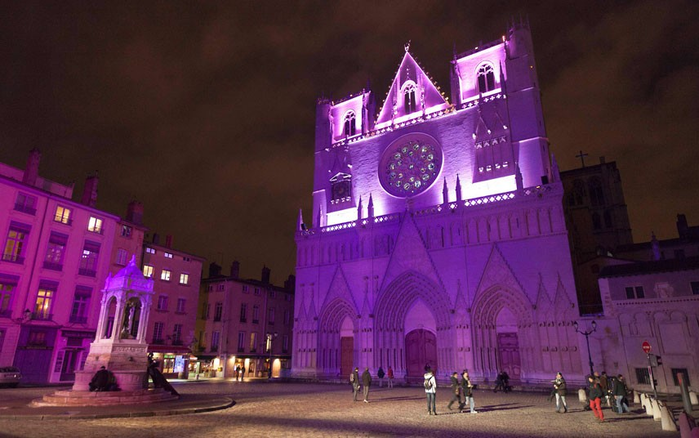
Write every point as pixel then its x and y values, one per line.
pixel 205 112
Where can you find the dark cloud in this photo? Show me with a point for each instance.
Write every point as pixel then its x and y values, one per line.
pixel 205 112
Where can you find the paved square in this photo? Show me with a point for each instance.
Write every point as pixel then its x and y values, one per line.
pixel 265 409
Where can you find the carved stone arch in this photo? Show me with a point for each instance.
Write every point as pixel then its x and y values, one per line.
pixel 334 313
pixel 497 297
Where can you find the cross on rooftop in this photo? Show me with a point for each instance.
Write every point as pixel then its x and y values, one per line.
pixel 582 156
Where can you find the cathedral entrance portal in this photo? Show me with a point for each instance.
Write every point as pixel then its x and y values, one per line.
pixel 508 355
pixel 346 348
pixel 420 350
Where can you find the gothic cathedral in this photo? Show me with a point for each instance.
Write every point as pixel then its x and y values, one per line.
pixel 438 234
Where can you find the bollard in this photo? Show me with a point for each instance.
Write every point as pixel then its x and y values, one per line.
pixel 656 410
pixel 665 420
pixel 636 398
pixel 649 405
pixel 582 396
pixel 645 402
pixel 693 398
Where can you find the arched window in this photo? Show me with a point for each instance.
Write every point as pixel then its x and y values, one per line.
pixel 350 124
pixel 486 78
pixel 409 101
pixel 596 193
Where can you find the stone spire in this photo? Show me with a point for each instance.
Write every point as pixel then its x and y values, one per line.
pixel 458 188
pixel 299 223
pixel 445 193
pixel 359 209
pixel 370 208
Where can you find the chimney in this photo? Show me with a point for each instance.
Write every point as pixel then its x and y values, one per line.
pixel 235 269
pixel 31 172
pixel 265 275
pixel 602 160
pixel 290 283
pixel 90 191
pixel 214 270
pixel 134 213
pixel 168 240
pixel 156 239
pixel 682 227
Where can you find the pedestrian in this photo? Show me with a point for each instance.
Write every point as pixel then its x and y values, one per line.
pixel 390 377
pixel 595 397
pixel 620 393
pixel 366 383
pixel 467 391
pixel 430 385
pixel 354 380
pixel 242 373
pixel 559 385
pixel 455 390
pixel 381 374
pixel 502 382
pixel 604 384
pixel 237 373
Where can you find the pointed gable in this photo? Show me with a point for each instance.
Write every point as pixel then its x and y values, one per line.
pixel 339 289
pixel 498 272
pixel 412 94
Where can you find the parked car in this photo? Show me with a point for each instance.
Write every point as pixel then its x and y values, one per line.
pixel 10 376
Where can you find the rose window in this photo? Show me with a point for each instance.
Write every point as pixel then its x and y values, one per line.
pixel 410 167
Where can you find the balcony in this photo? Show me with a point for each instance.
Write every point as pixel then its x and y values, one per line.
pixel 76 319
pixel 63 220
pixel 13 258
pixel 87 272
pixel 217 318
pixel 241 349
pixel 42 316
pixel 25 209
pixel 53 266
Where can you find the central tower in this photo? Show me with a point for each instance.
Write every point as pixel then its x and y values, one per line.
pixel 437 228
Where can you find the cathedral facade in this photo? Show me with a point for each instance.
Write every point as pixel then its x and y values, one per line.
pixel 438 235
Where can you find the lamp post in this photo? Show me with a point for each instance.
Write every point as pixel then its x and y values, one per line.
pixel 270 337
pixel 587 334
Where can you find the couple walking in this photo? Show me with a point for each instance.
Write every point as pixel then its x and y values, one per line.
pixel 462 391
pixel 365 383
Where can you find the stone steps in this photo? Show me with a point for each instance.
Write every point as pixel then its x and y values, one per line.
pixel 87 398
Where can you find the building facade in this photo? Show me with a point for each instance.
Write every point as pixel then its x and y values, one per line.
pixel 438 234
pixel 171 331
pixel 244 323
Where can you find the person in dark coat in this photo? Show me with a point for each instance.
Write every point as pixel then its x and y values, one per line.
pixel 380 373
pixel 595 396
pixel 620 392
pixel 467 392
pixel 559 386
pixel 455 390
pixel 354 380
pixel 100 381
pixel 366 383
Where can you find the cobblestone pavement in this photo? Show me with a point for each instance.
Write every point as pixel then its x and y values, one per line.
pixel 265 409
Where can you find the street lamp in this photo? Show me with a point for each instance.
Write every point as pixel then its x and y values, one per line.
pixel 270 337
pixel 587 334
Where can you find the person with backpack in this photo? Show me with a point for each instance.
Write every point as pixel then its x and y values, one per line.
pixel 390 377
pixel 455 390
pixel 381 374
pixel 467 390
pixel 354 381
pixel 430 385
pixel 595 397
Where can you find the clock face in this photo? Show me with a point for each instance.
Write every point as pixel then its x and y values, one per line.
pixel 410 165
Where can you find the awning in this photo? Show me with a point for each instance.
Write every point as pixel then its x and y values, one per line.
pixel 177 349
pixel 205 358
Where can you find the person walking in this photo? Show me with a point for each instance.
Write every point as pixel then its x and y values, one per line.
pixel 380 373
pixel 455 390
pixel 430 385
pixel 595 396
pixel 467 391
pixel 242 373
pixel 559 386
pixel 390 377
pixel 366 383
pixel 620 393
pixel 604 383
pixel 354 380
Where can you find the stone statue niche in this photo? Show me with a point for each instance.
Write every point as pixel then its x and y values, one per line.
pixel 120 344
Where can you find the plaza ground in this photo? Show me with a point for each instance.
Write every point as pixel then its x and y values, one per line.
pixel 266 409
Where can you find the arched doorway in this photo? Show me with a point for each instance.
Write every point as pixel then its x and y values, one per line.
pixel 508 343
pixel 346 347
pixel 420 351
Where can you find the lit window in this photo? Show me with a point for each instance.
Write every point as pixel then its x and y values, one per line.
pixel 181 302
pixel 17 236
pixel 126 231
pixel 150 250
pixel 409 103
pixel 94 225
pixel 162 302
pixel 122 256
pixel 25 203
pixel 241 342
pixel 88 260
pixel 168 255
pixel 350 124
pixel 486 78
pixel 165 275
pixel 253 342
pixel 215 339
pixel 62 215
pixel 55 250
pixel 44 299
pixel 147 271
pixel 184 278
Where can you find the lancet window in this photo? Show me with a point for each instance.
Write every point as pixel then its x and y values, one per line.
pixel 486 78
pixel 350 124
pixel 409 100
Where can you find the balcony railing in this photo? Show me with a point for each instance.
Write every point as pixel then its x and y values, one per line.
pixel 241 349
pixel 87 272
pixel 63 220
pixel 217 318
pixel 214 349
pixel 42 316
pixel 25 209
pixel 53 266
pixel 75 319
pixel 13 258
